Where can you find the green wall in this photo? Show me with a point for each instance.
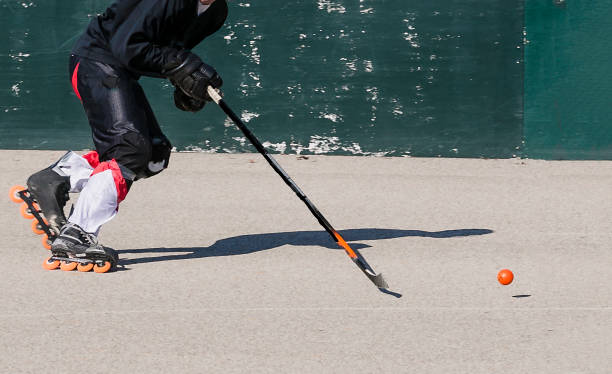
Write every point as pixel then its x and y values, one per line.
pixel 568 79
pixel 446 78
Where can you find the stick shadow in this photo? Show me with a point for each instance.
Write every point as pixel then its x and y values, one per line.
pixel 245 244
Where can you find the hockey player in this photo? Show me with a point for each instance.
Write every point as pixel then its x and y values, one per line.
pixel 130 39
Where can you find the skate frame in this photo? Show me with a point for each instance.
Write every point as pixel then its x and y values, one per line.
pixel 25 196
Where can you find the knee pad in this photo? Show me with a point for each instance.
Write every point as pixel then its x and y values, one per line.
pixel 144 157
pixel 132 151
pixel 160 155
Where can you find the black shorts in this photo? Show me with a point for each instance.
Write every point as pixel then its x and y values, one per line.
pixel 122 122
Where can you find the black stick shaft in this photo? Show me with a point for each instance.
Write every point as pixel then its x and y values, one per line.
pixel 245 130
pixel 353 253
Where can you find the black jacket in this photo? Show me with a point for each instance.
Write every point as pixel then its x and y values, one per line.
pixel 142 35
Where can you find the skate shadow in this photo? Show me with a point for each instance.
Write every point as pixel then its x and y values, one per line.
pixel 245 244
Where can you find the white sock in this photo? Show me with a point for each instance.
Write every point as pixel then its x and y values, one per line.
pixel 77 168
pixel 100 198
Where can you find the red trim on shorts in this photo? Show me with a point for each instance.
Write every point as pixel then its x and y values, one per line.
pixel 120 183
pixel 93 158
pixel 75 80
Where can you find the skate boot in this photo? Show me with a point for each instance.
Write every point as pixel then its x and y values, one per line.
pixel 43 202
pixel 76 249
pixel 47 192
pixel 50 191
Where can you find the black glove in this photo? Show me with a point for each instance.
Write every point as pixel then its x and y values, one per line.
pixel 187 72
pixel 186 103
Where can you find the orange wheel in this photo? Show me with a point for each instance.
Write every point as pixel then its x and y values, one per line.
pixel 102 269
pixel 68 266
pixel 85 267
pixel 36 229
pixel 51 264
pixel 25 211
pixel 46 242
pixel 13 193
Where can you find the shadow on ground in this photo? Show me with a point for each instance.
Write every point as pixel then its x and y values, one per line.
pixel 244 244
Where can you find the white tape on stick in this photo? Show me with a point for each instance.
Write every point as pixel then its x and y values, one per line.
pixel 214 94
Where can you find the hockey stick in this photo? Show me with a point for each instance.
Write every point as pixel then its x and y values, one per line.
pixel 354 254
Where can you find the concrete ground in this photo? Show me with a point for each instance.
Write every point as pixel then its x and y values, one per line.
pixel 224 270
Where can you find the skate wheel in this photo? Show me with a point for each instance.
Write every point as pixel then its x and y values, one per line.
pixel 85 267
pixel 102 269
pixel 46 242
pixel 13 194
pixel 51 264
pixel 68 266
pixel 26 212
pixel 36 228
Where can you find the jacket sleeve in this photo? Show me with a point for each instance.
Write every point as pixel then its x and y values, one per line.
pixel 135 43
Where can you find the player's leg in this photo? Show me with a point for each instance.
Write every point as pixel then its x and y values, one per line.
pixel 50 186
pixel 124 130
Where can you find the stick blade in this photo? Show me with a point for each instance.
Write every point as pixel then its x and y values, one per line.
pixel 381 283
pixel 377 279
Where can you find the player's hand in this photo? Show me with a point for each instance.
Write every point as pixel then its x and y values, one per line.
pixel 187 103
pixel 187 72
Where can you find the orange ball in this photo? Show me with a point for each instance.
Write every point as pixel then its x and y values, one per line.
pixel 505 277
